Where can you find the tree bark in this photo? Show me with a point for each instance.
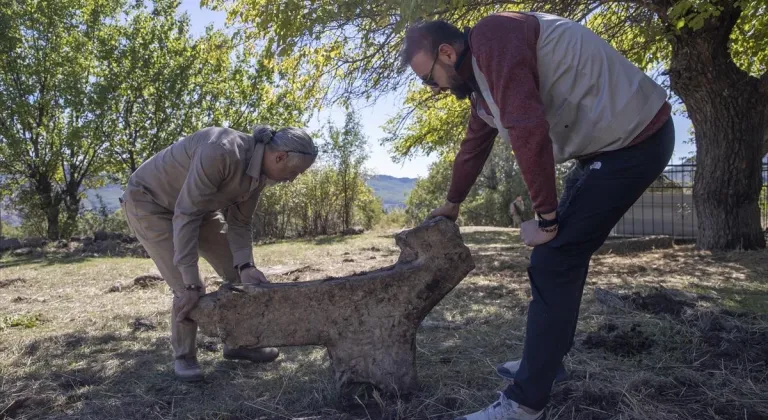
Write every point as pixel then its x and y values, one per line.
pixel 728 111
pixel 72 207
pixel 50 200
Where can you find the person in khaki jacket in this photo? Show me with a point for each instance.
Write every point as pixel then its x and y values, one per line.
pixel 197 198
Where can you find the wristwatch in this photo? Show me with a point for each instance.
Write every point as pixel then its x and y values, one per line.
pixel 242 267
pixel 544 223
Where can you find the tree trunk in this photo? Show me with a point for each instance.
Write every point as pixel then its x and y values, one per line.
pixel 72 207
pixel 728 112
pixel 50 200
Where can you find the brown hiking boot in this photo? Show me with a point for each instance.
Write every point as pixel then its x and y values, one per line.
pixel 187 369
pixel 255 355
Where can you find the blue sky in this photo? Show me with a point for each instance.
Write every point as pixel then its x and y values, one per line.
pixel 374 115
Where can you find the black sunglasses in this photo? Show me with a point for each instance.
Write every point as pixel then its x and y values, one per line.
pixel 428 81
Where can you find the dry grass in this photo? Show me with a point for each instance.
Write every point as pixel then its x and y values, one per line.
pixel 91 353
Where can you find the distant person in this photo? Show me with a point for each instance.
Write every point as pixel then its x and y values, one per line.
pixel 176 203
pixel 556 92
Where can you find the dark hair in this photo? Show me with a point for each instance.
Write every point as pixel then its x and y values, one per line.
pixel 428 36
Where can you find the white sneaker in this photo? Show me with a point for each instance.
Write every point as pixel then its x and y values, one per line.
pixel 508 370
pixel 503 409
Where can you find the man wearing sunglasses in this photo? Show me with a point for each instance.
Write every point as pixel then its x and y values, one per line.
pixel 197 198
pixel 557 92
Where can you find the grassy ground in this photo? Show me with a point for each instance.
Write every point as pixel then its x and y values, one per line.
pixel 69 348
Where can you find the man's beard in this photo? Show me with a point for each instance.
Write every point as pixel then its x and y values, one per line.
pixel 459 87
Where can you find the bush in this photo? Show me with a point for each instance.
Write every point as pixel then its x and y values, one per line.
pixel 393 219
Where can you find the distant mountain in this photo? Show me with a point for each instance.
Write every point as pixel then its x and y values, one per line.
pixel 393 191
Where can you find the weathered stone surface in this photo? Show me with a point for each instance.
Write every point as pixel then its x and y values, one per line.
pixel 367 321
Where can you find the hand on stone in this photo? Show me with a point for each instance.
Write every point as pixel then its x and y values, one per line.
pixel 187 301
pixel 448 210
pixel 252 276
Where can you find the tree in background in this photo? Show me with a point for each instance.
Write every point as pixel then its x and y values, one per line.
pixel 487 204
pixel 93 88
pixel 346 153
pixel 47 118
pixel 330 197
pixel 713 52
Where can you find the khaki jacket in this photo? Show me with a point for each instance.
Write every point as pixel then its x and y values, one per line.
pixel 212 169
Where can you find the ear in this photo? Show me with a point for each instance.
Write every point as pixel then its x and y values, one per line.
pixel 447 51
pixel 281 156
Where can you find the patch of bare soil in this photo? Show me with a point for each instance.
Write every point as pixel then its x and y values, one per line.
pixel 619 341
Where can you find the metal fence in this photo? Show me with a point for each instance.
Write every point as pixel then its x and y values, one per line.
pixel 667 207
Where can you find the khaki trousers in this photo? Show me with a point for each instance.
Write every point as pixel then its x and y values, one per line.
pixel 152 225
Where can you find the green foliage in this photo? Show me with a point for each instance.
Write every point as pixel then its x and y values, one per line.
pixel 345 151
pixel 393 219
pixel 12 231
pixel 20 320
pixel 33 216
pixel 312 205
pixel 94 87
pixel 329 198
pixel 102 219
pixel 350 50
pixel 488 202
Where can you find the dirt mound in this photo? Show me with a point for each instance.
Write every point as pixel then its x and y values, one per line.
pixel 660 301
pixel 733 341
pixel 619 341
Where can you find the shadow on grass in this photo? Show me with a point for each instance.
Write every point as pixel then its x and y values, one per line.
pixel 45 260
pixel 490 238
pixel 128 376
pixel 737 279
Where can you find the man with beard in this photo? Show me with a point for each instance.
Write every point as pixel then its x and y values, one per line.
pixel 556 92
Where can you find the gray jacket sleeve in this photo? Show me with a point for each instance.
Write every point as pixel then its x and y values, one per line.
pixel 209 167
pixel 239 232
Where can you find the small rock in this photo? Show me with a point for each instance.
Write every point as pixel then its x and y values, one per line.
pixel 87 241
pixel 75 239
pixel 19 299
pixel 33 242
pixel 353 231
pixel 347 260
pixel 100 235
pixel 117 287
pixel 147 280
pixel 61 243
pixel 23 251
pixel 12 281
pixel 143 324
